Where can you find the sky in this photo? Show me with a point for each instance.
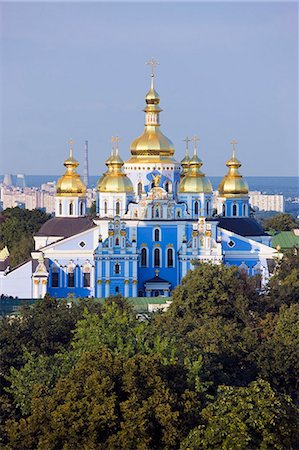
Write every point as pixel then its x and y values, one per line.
pixel 77 70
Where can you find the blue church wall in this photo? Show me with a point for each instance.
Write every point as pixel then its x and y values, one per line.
pixel 239 211
pixel 63 289
pixel 168 240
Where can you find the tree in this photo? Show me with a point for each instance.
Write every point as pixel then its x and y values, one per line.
pixel 283 287
pixel 252 417
pixel 17 230
pixel 213 314
pixel 107 402
pixel 281 222
pixel 277 356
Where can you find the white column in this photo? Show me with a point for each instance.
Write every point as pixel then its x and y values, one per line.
pixel 134 288
pixel 184 268
pixel 44 287
pixel 35 287
pixel 126 288
pixel 107 288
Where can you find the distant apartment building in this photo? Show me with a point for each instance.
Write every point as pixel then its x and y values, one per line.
pixel 266 202
pixel 32 197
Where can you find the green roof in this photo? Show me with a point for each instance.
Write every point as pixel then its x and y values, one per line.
pixel 285 239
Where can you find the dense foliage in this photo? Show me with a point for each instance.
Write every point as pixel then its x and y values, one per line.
pixel 17 229
pixel 218 370
pixel 281 222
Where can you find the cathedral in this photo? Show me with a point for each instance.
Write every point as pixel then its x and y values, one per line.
pixel 155 217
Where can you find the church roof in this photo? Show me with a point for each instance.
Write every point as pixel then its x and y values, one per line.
pixel 65 226
pixel 157 279
pixel 244 226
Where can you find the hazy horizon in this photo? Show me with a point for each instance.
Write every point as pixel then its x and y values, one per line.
pixel 77 70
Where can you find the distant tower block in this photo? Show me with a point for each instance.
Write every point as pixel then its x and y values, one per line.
pixel 21 181
pixel 7 180
pixel 85 167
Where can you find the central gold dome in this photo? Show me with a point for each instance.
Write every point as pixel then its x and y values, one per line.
pixel 152 145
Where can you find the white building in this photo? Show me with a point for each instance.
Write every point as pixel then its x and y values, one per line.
pixel 266 202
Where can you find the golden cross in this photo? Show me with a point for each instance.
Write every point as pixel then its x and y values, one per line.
pixel 195 139
pixel 234 142
pixel 71 142
pixel 116 140
pixel 152 62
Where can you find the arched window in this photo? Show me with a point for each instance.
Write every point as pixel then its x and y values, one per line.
pixel 55 279
pixel 167 186
pixel 116 241
pixel 117 208
pixel 243 271
pixel 86 279
pixel 208 208
pixel 144 257
pixel 223 209
pixel 117 268
pixel 170 257
pixel 157 235
pixel 117 289
pixel 139 188
pixel 71 209
pixel 234 209
pixel 60 208
pixel 136 213
pixel 71 279
pixel 157 257
pixel 157 212
pixel 196 208
pixel 81 208
pixel 105 208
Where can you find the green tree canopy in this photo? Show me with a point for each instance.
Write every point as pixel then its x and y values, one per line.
pixel 252 417
pixel 281 222
pixel 109 402
pixel 17 230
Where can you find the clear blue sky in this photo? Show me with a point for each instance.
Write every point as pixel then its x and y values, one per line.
pixel 77 70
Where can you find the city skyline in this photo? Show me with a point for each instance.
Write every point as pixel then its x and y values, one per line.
pixel 226 71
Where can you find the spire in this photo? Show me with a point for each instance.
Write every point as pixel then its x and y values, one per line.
pixel 152 62
pixel 195 161
pixel 185 163
pixel 71 142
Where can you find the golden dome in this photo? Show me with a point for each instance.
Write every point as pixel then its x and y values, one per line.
pixel 194 180
pixel 70 184
pixel 115 180
pixel 152 145
pixel 233 184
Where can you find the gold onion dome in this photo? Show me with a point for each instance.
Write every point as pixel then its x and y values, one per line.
pixel 115 180
pixel 194 180
pixel 70 184
pixel 233 184
pixel 152 145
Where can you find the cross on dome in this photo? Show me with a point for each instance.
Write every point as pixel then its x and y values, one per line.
pixel 71 142
pixel 194 140
pixel 152 62
pixel 234 142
